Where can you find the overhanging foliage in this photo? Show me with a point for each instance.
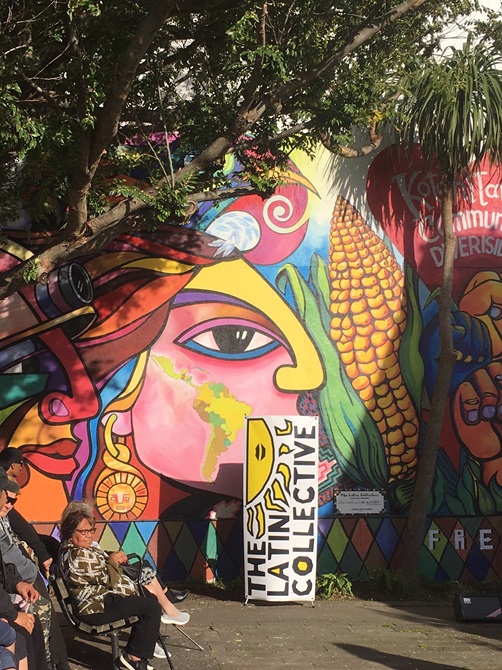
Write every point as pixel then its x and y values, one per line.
pixel 80 78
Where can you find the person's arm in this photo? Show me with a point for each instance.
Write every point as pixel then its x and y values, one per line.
pixel 7 609
pixel 118 557
pixel 11 577
pixel 28 534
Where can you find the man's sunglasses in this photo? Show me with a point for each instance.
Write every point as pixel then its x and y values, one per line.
pixel 10 500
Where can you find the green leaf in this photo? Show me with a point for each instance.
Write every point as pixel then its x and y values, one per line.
pixel 352 431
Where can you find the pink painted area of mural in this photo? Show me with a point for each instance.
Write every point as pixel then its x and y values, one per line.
pixel 7 260
pixel 282 222
pixel 190 401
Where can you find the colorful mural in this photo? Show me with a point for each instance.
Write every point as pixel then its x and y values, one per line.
pixel 127 378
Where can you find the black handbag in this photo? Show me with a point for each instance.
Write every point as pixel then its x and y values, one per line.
pixel 135 566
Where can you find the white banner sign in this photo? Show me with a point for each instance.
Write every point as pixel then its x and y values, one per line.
pixel 280 507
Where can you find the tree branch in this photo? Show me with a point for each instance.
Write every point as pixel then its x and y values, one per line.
pixel 109 116
pixel 255 77
pixel 51 100
pixel 361 35
pixel 350 152
pixel 218 194
pixel 80 78
pixel 272 139
pixel 217 149
pixel 131 214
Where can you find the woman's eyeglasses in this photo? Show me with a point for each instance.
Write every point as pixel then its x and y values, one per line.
pixel 11 501
pixel 86 531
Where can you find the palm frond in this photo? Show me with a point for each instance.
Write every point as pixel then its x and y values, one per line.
pixel 453 107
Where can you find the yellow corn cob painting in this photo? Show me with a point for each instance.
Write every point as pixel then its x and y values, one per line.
pixel 368 307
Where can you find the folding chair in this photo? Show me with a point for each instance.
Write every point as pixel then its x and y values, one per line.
pixel 112 629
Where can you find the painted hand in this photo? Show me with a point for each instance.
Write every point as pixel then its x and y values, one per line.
pixel 477 411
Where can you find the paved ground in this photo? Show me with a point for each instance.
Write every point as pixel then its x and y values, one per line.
pixel 347 635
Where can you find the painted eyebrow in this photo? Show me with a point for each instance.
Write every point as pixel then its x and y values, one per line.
pixel 186 298
pixel 193 297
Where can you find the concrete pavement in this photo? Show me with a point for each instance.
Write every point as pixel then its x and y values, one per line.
pixel 346 635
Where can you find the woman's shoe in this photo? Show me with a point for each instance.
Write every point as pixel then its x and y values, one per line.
pixel 159 651
pixel 128 663
pixel 180 620
pixel 177 596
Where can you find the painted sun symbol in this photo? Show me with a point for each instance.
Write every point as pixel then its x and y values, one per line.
pixel 121 496
pixel 267 481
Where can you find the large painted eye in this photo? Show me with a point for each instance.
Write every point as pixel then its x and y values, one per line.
pixel 495 312
pixel 231 339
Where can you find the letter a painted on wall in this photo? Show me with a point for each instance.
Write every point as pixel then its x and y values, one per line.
pixel 280 507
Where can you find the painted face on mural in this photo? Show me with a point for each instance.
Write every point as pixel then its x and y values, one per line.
pixel 187 339
pixel 231 348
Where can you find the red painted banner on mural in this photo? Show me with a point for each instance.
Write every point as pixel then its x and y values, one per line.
pixel 403 197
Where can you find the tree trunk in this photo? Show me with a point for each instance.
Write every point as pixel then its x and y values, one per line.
pixel 415 526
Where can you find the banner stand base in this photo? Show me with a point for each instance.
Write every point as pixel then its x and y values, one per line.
pixel 276 602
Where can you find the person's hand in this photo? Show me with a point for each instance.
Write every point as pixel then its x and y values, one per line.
pixel 47 564
pixel 118 557
pixel 26 621
pixel 28 592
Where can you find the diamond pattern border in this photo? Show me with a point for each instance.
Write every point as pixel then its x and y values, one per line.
pixel 454 548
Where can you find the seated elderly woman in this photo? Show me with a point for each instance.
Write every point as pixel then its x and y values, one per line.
pixel 102 593
pixel 147 577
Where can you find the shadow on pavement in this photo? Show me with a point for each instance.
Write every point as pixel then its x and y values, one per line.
pixel 490 630
pixel 392 661
pixel 88 654
pixel 232 591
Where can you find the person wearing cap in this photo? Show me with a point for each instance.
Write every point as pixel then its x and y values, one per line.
pixel 11 460
pixel 45 547
pixel 15 525
pixel 25 624
pixel 14 552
